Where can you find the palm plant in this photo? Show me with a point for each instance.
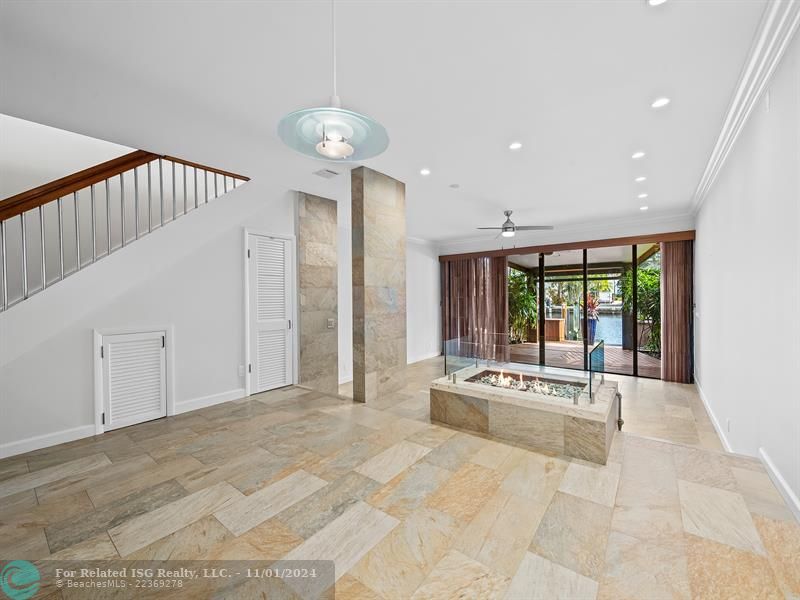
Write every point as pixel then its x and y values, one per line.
pixel 648 302
pixel 523 309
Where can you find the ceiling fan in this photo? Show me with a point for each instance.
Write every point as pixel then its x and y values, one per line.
pixel 508 229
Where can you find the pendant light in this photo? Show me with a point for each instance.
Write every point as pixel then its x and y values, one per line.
pixel 332 132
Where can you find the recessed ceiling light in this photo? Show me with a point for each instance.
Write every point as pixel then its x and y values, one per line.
pixel 426 171
pixel 515 145
pixel 655 2
pixel 660 102
pixel 640 179
pixel 642 196
pixel 643 207
pixel 638 154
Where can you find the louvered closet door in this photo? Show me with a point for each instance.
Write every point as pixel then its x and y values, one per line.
pixel 269 266
pixel 135 378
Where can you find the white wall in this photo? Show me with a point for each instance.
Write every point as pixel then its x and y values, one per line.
pixel 747 283
pixel 188 276
pixel 423 312
pixel 22 144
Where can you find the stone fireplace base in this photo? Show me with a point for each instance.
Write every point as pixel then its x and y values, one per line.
pixel 532 420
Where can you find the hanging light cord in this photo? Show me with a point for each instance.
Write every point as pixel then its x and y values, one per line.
pixel 333 44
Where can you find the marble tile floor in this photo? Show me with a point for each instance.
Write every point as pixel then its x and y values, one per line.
pixel 406 509
pixel 650 407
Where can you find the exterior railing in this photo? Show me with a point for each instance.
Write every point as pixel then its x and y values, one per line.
pixel 597 367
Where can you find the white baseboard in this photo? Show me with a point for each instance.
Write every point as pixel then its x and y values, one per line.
pixel 68 435
pixel 204 401
pixel 416 359
pixel 43 441
pixel 717 427
pixel 792 501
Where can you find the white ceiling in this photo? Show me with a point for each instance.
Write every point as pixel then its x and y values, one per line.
pixel 453 82
pixel 32 154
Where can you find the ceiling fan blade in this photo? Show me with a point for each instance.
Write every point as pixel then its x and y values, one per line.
pixel 534 227
pixel 488 228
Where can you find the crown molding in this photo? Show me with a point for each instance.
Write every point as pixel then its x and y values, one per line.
pixel 778 24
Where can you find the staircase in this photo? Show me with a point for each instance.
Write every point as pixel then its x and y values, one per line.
pixel 55 230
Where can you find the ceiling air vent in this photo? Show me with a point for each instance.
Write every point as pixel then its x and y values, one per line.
pixel 326 173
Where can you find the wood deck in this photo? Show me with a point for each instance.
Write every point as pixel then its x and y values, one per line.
pixel 569 355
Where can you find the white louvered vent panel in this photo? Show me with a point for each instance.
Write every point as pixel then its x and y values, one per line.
pixel 270 278
pixel 135 378
pixel 271 350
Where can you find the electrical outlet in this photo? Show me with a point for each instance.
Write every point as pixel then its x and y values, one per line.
pixel 728 425
pixel 241 370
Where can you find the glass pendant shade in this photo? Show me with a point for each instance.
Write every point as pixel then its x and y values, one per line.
pixel 331 133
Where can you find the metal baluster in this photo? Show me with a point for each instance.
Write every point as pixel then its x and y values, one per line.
pixel 41 235
pixel 61 237
pixel 161 186
pixel 108 216
pixel 136 199
pixel 216 189
pixel 122 206
pixel 149 200
pixel 77 232
pixel 195 187
pixel 94 225
pixel 24 257
pixel 205 187
pixel 185 189
pixel 174 193
pixel 225 183
pixel 5 265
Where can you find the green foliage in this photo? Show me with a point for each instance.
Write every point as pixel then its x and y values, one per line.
pixel 648 301
pixel 523 309
pixel 603 285
pixel 564 292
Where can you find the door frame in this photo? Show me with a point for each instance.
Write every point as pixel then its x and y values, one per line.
pixel 293 285
pixel 169 356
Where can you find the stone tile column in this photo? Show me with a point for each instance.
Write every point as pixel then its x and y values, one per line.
pixel 318 294
pixel 379 284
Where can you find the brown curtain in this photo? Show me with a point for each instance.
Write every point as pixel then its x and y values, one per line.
pixel 676 311
pixel 475 307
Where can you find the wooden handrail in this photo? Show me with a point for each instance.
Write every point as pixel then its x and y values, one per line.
pixel 209 169
pixel 30 199
pixel 36 197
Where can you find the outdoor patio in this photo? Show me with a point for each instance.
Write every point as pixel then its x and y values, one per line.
pixel 569 355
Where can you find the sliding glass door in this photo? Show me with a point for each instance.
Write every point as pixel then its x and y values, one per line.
pixel 563 303
pixel 648 308
pixel 610 307
pixel 563 310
